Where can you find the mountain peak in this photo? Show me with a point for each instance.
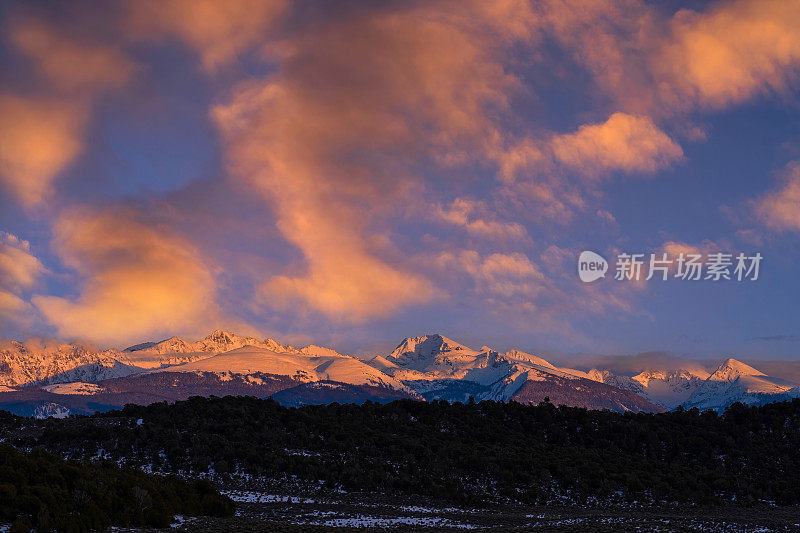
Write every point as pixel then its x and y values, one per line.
pixel 220 336
pixel 732 369
pixel 425 346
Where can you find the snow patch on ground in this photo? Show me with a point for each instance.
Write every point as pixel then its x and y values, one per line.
pixel 381 521
pixel 74 388
pixel 246 496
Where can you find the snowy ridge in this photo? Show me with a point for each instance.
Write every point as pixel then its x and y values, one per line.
pixel 667 388
pixel 56 362
pixel 49 361
pixel 301 366
pixel 734 381
pixel 440 368
pixel 429 366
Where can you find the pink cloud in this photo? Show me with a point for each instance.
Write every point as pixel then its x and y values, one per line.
pixel 331 140
pixel 217 31
pixel 779 209
pixel 135 280
pixel 40 138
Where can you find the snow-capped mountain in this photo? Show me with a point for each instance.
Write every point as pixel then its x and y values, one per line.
pixel 433 354
pixel 734 381
pixel 48 361
pixel 440 368
pixel 57 362
pixel 668 388
pixel 175 351
pixel 303 367
pixel 53 377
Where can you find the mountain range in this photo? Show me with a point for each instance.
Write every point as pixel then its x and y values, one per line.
pixel 47 378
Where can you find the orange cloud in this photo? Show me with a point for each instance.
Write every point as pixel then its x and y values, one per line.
pixel 627 143
pixel 496 275
pixel 613 39
pixel 19 271
pixel 465 213
pixel 137 280
pixel 70 65
pixel 730 53
pixel 40 137
pixel 623 142
pixel 674 248
pixel 540 171
pixel 332 138
pixel 779 209
pixel 664 66
pixel 12 307
pixel 217 31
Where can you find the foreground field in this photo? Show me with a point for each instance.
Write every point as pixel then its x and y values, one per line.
pixel 257 511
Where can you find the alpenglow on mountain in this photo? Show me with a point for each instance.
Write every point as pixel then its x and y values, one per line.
pixel 48 378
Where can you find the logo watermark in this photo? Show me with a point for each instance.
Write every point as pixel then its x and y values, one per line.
pixel 687 267
pixel 591 266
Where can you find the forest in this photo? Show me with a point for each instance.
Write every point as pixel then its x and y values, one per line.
pixel 42 491
pixel 468 454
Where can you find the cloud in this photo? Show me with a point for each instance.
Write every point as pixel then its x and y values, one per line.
pixel 664 65
pixel 20 271
pixel 731 53
pixel 69 65
pixel 42 135
pixel 40 138
pixel 217 31
pixel 560 172
pixel 464 213
pixel 674 248
pixel 779 209
pixel 12 307
pixel 16 314
pixel 612 40
pixel 354 124
pixel 334 140
pixel 136 280
pixel 495 275
pixel 632 364
pixel 627 143
pixel 605 216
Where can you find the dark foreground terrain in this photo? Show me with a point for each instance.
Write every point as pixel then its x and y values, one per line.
pixel 417 465
pixel 320 516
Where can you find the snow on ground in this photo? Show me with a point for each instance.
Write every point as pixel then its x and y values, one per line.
pixel 305 367
pixel 382 521
pixel 77 387
pixel 247 496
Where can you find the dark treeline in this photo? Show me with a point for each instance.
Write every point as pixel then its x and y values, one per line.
pixel 42 491
pixel 464 453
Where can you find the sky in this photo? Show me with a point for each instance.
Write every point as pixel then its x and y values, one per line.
pixel 353 173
